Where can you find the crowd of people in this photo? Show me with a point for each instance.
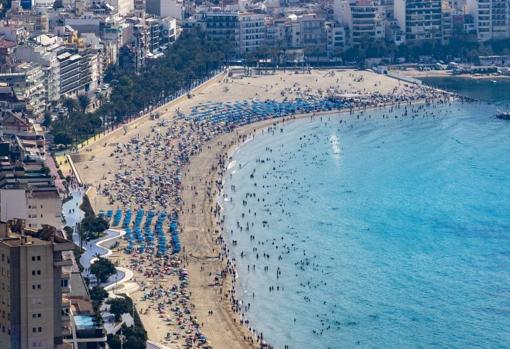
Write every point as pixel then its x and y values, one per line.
pixel 150 178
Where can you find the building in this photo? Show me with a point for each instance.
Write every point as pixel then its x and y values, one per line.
pixel 78 71
pixel 27 80
pixel 447 30
pixel 492 18
pixel 305 31
pixel 154 29
pixel 310 31
pixel 336 37
pixel 139 8
pixel 168 30
pixel 165 8
pixel 122 7
pixel 17 124
pixel 6 55
pixel 420 20
pixel 365 21
pixel 275 32
pixel 34 313
pixel 86 332
pixel 23 174
pixel 9 101
pixel 221 25
pixel 43 51
pixel 252 32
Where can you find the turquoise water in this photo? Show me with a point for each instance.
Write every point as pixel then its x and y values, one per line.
pixel 388 232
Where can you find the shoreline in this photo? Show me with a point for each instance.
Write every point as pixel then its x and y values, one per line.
pixel 206 211
pixel 198 187
pixel 213 301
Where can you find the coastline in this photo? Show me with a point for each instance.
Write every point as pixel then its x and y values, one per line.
pixel 201 219
pixel 201 181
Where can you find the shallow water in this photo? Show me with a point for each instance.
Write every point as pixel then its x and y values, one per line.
pixel 389 233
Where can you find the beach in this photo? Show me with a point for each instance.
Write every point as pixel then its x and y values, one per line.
pixel 175 163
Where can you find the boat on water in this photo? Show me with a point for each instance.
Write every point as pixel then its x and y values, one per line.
pixel 504 115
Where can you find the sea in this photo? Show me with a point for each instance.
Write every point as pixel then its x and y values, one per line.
pixel 380 229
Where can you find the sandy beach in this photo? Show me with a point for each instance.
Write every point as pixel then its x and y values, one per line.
pixel 174 164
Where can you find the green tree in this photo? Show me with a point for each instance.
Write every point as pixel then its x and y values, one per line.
pixel 119 306
pixel 191 57
pixel 102 269
pixel 98 295
pixel 62 137
pixel 83 101
pixel 92 227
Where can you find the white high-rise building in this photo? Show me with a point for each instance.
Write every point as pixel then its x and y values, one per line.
pixel 364 19
pixel 420 20
pixel 492 18
pixel 252 32
pixel 123 7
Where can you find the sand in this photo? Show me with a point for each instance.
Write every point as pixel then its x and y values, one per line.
pixel 97 167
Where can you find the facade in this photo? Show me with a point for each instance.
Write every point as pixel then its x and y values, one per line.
pixel 221 26
pixel 447 30
pixel 9 102
pixel 308 31
pixel 365 21
pixel 27 81
pixel 78 71
pixel 21 168
pixel 33 285
pixel 492 18
pixel 154 29
pixel 252 32
pixel 420 20
pixel 43 52
pixel 165 8
pixel 122 7
pixel 336 37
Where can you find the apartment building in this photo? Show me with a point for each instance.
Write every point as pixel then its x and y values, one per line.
pixel 17 124
pixel 78 71
pixel 365 21
pixel 32 286
pixel 252 32
pixel 221 25
pixel 27 81
pixel 9 101
pixel 42 50
pixel 492 18
pixel 336 37
pixel 165 8
pixel 122 7
pixel 26 185
pixel 420 20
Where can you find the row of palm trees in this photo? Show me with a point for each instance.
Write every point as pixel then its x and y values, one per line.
pixel 189 59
